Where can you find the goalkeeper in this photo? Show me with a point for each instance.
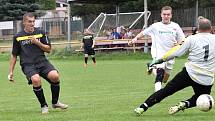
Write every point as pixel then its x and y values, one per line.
pixel 198 72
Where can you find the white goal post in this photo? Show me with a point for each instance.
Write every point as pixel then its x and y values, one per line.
pixel 132 20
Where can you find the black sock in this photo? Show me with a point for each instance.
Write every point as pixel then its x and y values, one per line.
pixel 94 59
pixel 85 59
pixel 160 75
pixel 40 96
pixel 55 89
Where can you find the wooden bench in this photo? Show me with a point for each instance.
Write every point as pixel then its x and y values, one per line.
pixel 134 48
pixel 104 49
pixel 120 44
pixel 109 49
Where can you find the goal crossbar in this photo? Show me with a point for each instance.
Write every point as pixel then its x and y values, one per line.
pixel 103 16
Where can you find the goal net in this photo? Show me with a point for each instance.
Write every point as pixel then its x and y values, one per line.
pixel 132 20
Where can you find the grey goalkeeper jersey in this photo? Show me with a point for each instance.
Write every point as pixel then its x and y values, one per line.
pixel 201 60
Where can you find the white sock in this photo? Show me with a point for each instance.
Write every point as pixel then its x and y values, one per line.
pixel 158 86
pixel 145 105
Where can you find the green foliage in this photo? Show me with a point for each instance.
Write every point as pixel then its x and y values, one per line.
pixel 129 6
pixel 47 4
pixel 14 9
pixel 206 3
pixel 134 6
pixel 91 9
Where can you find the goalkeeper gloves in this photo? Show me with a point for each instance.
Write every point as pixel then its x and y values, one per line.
pixel 153 62
pixel 159 61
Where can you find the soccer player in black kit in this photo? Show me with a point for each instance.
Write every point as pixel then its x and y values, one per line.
pixel 30 44
pixel 88 42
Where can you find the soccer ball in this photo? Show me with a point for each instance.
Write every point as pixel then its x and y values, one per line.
pixel 205 102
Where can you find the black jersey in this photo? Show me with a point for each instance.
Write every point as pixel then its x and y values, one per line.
pixel 28 52
pixel 88 41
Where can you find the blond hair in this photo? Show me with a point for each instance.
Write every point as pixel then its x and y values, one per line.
pixel 166 8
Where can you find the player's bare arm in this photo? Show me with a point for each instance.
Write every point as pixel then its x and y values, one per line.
pixel 140 35
pixel 11 68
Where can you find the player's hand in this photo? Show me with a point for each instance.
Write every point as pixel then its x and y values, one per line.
pixel 34 40
pixel 132 41
pixel 92 46
pixel 10 77
pixel 154 62
pixel 149 69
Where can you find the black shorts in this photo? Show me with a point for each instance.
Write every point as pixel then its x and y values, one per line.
pixel 42 68
pixel 89 51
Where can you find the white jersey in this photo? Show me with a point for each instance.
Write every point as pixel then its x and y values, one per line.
pixel 164 37
pixel 201 60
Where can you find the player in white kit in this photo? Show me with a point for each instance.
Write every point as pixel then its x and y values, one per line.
pixel 198 72
pixel 165 35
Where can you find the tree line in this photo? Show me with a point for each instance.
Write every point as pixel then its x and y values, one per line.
pixel 134 6
pixel 14 9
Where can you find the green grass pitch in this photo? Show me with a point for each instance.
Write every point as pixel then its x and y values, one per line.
pixel 108 92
